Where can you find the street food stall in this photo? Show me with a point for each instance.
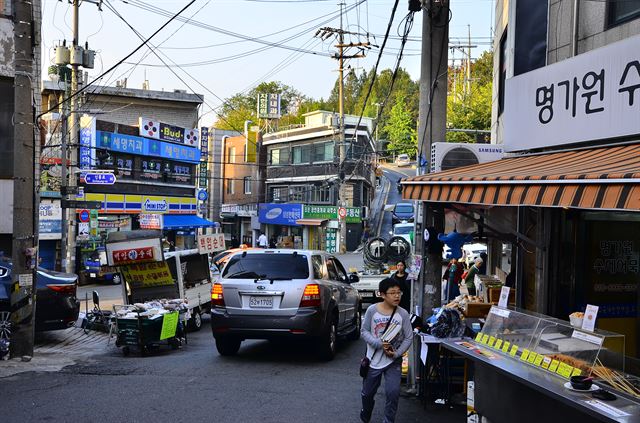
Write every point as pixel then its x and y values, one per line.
pixel 530 368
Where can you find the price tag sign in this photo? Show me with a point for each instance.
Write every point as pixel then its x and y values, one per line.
pixel 492 341
pixel 478 337
pixel 532 357
pixel 485 339
pixel 505 347
pixel 498 344
pixel 564 370
pixel 538 360
pixel 169 325
pixel 576 372
pixel 545 362
pixel 525 355
pixel 553 366
pixel 589 320
pixel 514 351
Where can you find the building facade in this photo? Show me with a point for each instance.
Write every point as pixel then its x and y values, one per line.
pixel 148 141
pixel 303 167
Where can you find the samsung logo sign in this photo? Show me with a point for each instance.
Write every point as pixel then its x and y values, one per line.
pixel 489 150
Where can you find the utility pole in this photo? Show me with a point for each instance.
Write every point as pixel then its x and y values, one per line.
pixel 25 199
pixel 325 33
pixel 432 128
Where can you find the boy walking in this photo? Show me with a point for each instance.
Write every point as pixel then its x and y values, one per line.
pixel 387 331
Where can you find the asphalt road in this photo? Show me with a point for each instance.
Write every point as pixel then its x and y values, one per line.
pixel 393 174
pixel 265 382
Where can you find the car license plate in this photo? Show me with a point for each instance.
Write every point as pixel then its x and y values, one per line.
pixel 92 275
pixel 366 294
pixel 261 302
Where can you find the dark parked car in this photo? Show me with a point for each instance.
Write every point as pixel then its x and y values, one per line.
pixel 57 306
pixel 266 294
pixel 402 212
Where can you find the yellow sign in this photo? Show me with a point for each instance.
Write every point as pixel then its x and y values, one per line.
pixel 514 350
pixel 505 347
pixel 492 340
pixel 485 339
pixel 546 362
pixel 169 325
pixel 576 372
pixel 478 337
pixel 564 370
pixel 524 355
pixel 538 360
pixel 553 366
pixel 532 357
pixel 145 275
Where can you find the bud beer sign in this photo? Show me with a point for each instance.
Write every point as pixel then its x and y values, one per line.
pixel 152 128
pixel 132 255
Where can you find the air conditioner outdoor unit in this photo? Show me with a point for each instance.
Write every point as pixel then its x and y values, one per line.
pixel 449 155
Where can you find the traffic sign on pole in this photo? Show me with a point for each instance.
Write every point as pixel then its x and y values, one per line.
pixel 100 178
pixel 84 215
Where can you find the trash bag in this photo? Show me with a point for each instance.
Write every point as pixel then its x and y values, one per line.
pixel 449 324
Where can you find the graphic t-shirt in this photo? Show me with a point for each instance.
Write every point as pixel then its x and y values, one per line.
pixel 379 321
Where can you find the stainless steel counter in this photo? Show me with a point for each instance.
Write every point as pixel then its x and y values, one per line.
pixel 539 384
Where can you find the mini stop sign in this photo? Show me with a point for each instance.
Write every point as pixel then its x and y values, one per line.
pixel 84 215
pixel 342 212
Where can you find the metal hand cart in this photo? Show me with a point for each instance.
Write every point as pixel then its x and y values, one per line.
pixel 145 333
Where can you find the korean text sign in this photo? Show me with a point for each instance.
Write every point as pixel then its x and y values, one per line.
pixel 210 243
pixel 595 95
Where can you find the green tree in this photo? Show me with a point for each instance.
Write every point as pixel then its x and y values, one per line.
pixel 469 105
pixel 401 129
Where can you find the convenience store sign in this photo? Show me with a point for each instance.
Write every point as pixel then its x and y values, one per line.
pixel 330 212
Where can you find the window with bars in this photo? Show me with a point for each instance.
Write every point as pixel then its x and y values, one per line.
pixel 279 194
pixel 247 184
pixel 320 194
pixel 297 193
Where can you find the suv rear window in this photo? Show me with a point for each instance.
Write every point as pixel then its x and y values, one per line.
pixel 405 208
pixel 267 266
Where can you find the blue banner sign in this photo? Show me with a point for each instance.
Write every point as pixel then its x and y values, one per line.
pixel 132 144
pixel 279 214
pixel 100 178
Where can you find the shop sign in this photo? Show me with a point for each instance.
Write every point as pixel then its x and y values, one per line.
pixel 155 205
pixel 83 231
pixel 134 251
pixel 50 222
pixel 269 106
pixel 331 212
pixel 145 275
pixel 210 243
pixel 331 245
pixel 279 214
pixel 50 180
pixel 150 221
pixel 87 141
pixel 132 255
pixel 112 224
pixel 592 96
pixel 152 128
pixel 131 144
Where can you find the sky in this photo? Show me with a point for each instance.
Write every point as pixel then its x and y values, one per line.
pixel 216 51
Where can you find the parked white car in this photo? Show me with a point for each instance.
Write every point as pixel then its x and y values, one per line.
pixel 404 230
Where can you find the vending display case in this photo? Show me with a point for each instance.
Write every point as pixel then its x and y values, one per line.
pixel 551 344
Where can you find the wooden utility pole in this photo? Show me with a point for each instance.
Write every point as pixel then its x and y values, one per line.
pixel 25 200
pixel 432 128
pixel 341 56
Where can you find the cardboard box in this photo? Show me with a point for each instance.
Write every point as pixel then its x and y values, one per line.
pixel 493 295
pixel 477 309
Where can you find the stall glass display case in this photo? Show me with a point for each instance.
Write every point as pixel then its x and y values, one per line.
pixel 551 344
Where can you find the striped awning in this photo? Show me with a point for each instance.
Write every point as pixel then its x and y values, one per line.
pixel 605 178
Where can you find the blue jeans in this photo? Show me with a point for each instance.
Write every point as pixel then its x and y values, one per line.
pixel 371 384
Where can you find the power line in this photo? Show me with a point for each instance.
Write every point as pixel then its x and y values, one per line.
pixel 119 62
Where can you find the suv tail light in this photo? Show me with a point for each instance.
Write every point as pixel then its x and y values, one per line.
pixel 311 296
pixel 217 299
pixel 64 289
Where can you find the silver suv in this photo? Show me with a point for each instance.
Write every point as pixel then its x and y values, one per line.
pixel 267 294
